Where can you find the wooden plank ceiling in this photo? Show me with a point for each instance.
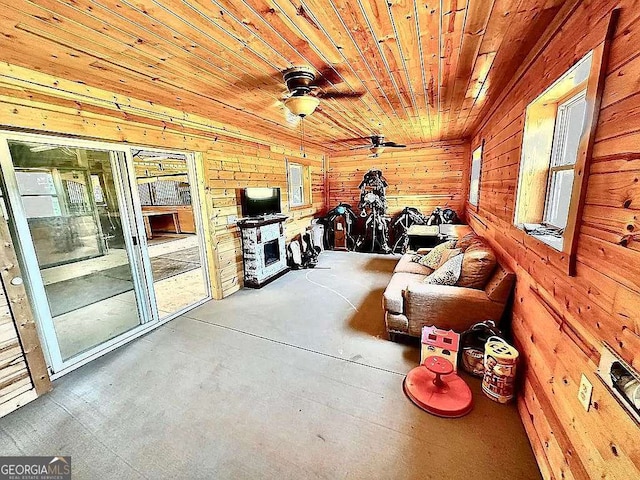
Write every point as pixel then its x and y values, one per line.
pixel 427 69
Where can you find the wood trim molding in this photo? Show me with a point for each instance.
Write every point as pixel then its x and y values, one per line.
pixel 22 313
pixel 595 87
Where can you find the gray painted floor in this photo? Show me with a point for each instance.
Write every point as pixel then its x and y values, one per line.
pixel 291 381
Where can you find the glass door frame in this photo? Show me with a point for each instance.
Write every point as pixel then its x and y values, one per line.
pixel 133 227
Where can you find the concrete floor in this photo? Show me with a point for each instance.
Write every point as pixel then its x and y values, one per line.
pixel 95 323
pixel 292 381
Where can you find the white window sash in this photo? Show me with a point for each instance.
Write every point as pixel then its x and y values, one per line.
pixel 296 185
pixel 557 164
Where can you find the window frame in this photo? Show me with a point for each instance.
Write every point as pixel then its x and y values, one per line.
pixel 480 160
pixel 304 186
pixel 564 255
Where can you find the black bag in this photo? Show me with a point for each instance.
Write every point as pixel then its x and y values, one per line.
pixel 472 346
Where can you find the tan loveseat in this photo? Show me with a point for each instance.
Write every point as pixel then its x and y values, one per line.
pixel 410 304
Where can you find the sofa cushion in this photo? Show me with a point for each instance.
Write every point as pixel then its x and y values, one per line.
pixel 464 242
pixel 407 265
pixel 447 254
pixel 448 273
pixel 392 299
pixel 478 265
pixel 432 259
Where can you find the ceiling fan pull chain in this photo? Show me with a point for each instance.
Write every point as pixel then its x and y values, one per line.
pixel 302 137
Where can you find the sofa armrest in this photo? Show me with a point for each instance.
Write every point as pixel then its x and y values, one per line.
pixel 447 307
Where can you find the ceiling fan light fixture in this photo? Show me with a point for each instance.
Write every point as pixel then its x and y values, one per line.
pixel 302 105
pixel 377 150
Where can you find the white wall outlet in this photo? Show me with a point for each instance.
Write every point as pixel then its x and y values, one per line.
pixel 584 392
pixel 231 219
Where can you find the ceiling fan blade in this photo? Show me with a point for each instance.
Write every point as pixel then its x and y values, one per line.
pixel 361 147
pixel 393 145
pixel 336 95
pixel 328 76
pixel 351 140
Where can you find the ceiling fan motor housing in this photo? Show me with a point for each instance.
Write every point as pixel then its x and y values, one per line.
pixel 377 140
pixel 299 80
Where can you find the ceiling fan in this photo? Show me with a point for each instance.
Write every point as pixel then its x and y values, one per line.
pixel 306 89
pixel 378 145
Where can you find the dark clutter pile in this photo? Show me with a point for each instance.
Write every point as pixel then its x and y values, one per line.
pixel 373 208
pixel 373 230
pixel 303 252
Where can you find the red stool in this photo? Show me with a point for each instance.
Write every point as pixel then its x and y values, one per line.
pixel 437 389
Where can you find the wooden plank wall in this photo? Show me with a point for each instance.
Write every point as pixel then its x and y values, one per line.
pixel 424 176
pixel 16 387
pixel 23 370
pixel 236 167
pixel 559 321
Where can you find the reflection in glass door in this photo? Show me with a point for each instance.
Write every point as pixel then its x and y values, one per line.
pixel 71 211
pixel 167 191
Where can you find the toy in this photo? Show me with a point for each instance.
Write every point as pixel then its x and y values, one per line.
pixel 437 389
pixel 444 343
pixel 500 360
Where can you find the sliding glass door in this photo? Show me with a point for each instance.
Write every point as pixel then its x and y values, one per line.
pixel 71 216
pixel 99 266
pixel 173 230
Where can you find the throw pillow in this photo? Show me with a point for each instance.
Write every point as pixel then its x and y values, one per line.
pixel 464 242
pixel 432 259
pixel 448 273
pixel 478 266
pixel 447 254
pixel 416 258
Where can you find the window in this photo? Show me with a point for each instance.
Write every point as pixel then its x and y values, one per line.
pixel 53 192
pixel 474 186
pixel 564 153
pixel 553 130
pixel 163 192
pixel 558 133
pixel 299 190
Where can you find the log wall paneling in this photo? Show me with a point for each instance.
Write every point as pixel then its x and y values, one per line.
pixel 427 177
pixel 560 322
pixel 229 171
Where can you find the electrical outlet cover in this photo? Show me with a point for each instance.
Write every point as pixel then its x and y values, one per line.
pixel 584 392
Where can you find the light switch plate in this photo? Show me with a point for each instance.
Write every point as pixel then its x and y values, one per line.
pixel 231 219
pixel 584 392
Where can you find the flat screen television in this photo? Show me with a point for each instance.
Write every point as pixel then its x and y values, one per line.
pixel 257 201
